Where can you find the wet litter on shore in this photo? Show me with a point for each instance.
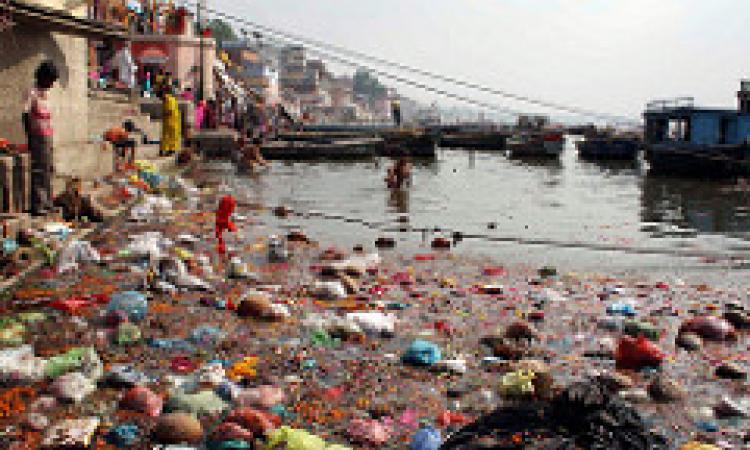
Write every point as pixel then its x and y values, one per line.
pixel 151 331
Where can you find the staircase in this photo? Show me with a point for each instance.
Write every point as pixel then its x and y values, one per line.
pixel 94 159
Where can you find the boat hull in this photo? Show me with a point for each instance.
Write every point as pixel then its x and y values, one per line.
pixel 610 149
pixel 723 161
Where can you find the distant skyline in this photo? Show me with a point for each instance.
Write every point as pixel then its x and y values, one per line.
pixel 612 56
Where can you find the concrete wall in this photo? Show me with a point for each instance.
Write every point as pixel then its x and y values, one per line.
pixel 23 49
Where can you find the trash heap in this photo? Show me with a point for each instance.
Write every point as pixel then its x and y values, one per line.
pixel 142 334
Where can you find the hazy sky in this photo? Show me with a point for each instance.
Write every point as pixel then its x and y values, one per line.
pixel 608 55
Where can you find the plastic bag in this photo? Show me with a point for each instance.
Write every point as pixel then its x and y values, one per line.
pixel 75 433
pixel 517 384
pixel 422 353
pixel 328 290
pixel 372 432
pixel 133 303
pixel 636 354
pixel 73 386
pixel 83 359
pixel 74 253
pixel 293 439
pixel 20 366
pixel 426 438
pixel 374 322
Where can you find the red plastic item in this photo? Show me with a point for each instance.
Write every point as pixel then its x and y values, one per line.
pixel 448 418
pixel 442 326
pixel 494 271
pixel 637 353
pixel 182 364
pixel 258 422
pixel 72 305
pixel 424 257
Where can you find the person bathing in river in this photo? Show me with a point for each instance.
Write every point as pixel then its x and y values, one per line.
pixel 399 174
pixel 250 154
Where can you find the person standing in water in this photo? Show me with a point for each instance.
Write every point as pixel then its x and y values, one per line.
pixel 37 121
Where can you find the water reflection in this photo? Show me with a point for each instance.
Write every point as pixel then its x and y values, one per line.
pixel 703 206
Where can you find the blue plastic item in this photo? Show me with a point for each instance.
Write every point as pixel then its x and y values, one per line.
pixel 123 436
pixel 708 427
pixel 171 344
pixel 624 309
pixel 206 335
pixel 133 303
pixel 426 438
pixel 422 353
pixel 9 246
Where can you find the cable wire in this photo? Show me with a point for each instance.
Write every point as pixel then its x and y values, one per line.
pixel 448 79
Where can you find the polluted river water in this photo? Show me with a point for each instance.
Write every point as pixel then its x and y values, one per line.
pixel 585 216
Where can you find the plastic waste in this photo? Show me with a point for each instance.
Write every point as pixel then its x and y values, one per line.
pixel 12 334
pixel 204 402
pixel 427 438
pixel 133 303
pixel 277 251
pixel 74 253
pixel 637 353
pixel 82 359
pixel 71 433
pixel 374 322
pixel 264 396
pixel 517 384
pixel 624 309
pixel 452 365
pixel 128 334
pixel 367 431
pixel 328 290
pixel 20 366
pixel 73 387
pixel 421 353
pixel 143 400
pixel 295 439
pixel 125 375
pixel 123 436
pixel 258 422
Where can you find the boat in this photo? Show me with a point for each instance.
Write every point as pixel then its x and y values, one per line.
pixel 412 143
pixel 361 148
pixel 478 140
pixel 539 144
pixel 609 146
pixel 685 140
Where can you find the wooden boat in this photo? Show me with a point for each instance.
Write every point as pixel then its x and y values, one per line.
pixel 417 144
pixel 538 144
pixel 361 148
pixel 478 140
pixel 609 147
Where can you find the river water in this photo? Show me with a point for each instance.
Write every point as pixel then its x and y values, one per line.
pixel 583 216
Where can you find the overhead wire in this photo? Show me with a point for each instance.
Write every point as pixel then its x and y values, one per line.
pixel 317 45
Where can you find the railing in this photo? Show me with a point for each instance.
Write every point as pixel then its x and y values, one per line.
pixel 668 104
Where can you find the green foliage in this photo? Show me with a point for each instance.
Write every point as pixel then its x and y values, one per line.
pixel 367 84
pixel 221 31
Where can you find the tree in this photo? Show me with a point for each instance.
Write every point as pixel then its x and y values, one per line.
pixel 221 31
pixel 368 85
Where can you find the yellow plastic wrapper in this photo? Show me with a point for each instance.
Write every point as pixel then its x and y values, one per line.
pixel 517 384
pixel 183 253
pixel 286 438
pixel 693 445
pixel 244 368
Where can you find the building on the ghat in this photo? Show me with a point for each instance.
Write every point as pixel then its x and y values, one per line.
pixel 58 30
